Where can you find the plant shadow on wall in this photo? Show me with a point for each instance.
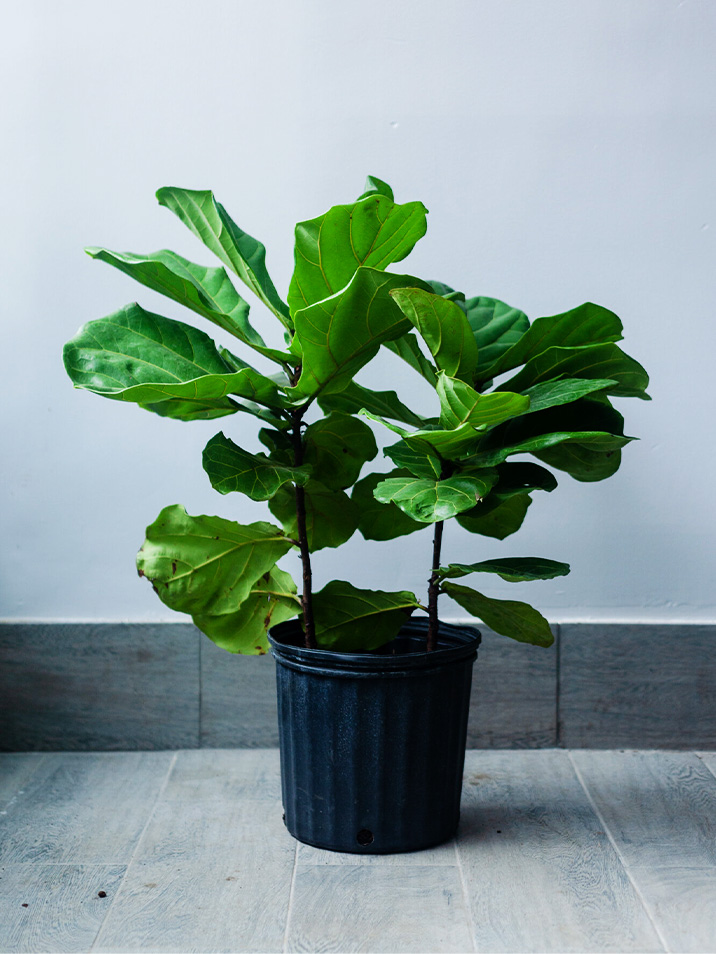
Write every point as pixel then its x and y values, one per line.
pixel 504 388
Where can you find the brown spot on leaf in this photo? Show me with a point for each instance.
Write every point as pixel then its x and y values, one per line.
pixel 174 567
pixel 155 588
pixel 140 572
pixel 260 650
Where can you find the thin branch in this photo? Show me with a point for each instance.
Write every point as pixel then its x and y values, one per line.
pixel 433 590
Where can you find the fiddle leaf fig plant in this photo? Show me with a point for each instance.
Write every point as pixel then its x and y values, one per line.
pixel 313 418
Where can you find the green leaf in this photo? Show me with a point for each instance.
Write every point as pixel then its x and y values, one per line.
pixel 444 328
pixel 519 477
pixel 207 291
pixel 271 600
pixel 496 521
pixel 512 569
pixel 341 334
pixel 331 515
pixel 496 327
pixel 450 444
pixel 407 348
pixel 563 391
pixel 376 186
pixel 379 521
pixel 417 457
pixel 599 361
pixel 211 223
pixel 598 441
pixel 432 500
pixel 519 621
pixel 206 565
pixel 352 620
pixel 587 324
pixel 232 469
pixel 354 397
pixel 460 404
pixel 279 444
pixel 445 291
pixel 336 447
pixel 582 461
pixel 373 232
pixel 134 355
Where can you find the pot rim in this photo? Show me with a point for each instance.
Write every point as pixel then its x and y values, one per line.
pixel 456 642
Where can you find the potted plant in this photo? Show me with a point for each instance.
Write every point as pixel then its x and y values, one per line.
pixel 373 701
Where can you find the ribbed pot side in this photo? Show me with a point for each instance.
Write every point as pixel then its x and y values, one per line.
pixel 373 744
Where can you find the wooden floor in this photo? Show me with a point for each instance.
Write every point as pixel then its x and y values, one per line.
pixel 161 851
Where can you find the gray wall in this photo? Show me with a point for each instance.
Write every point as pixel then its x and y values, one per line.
pixel 565 151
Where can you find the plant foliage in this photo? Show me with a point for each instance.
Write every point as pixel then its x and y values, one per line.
pixel 557 377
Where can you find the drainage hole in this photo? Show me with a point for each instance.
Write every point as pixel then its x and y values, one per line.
pixel 364 837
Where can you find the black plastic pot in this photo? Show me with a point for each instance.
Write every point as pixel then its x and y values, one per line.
pixel 373 744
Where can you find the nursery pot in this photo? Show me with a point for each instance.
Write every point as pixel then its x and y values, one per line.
pixel 373 743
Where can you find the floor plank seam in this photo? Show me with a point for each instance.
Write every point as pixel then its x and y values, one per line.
pixel 289 908
pixel 21 791
pixel 635 886
pixel 160 793
pixel 465 896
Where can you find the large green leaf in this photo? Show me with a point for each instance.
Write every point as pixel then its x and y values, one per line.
pixel 563 391
pixel 336 447
pixel 432 500
pixel 498 521
pixel 512 569
pixel 376 520
pixel 211 223
pixel 207 291
pixel 339 335
pixel 600 361
pixel 407 348
pixel 582 460
pixel 232 469
pixel 443 327
pixel 519 477
pixel 134 355
pixel 373 231
pixel 271 600
pixel 352 620
pixel 418 457
pixel 460 404
pixel 204 565
pixel 519 621
pixel 376 186
pixel 451 444
pixel 331 515
pixel 598 441
pixel 354 397
pixel 587 324
pixel 496 327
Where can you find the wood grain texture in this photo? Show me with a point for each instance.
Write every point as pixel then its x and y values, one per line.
pixel 709 760
pixel 514 695
pixel 660 807
pixel 83 808
pixel 54 907
pixel 99 686
pixel 683 904
pixel 378 909
pixel 640 686
pixel 540 871
pixel 238 699
pixel 16 768
pixel 213 869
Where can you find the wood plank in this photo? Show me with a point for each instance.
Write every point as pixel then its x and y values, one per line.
pixel 16 768
pixel 54 907
pixel 683 904
pixel 341 908
pixel 83 808
pixel 709 760
pixel 71 686
pixel 541 872
pixel 637 686
pixel 213 869
pixel 238 699
pixel 525 716
pixel 658 806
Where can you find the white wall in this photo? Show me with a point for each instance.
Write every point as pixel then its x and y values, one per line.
pixel 566 151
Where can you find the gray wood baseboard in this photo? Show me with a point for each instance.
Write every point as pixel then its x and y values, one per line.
pixel 111 686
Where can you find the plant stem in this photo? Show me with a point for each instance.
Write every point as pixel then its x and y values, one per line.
pixel 307 595
pixel 433 624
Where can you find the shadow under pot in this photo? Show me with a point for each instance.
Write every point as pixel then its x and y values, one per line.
pixel 373 744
